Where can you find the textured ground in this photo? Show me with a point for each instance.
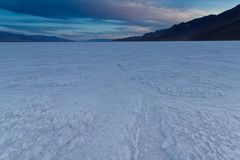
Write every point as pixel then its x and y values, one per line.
pixel 120 101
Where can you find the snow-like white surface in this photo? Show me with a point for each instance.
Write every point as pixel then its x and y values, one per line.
pixel 120 101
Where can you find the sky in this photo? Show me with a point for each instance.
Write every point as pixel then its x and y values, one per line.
pixel 101 19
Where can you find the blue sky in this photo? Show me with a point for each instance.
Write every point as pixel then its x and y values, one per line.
pixel 94 19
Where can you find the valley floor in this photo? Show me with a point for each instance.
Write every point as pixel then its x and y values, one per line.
pixel 120 101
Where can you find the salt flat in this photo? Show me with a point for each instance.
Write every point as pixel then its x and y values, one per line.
pixel 120 101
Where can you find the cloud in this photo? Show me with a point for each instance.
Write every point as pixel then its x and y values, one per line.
pixel 99 9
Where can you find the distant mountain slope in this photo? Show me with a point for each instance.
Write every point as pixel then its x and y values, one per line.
pixel 99 40
pixel 225 26
pixel 12 37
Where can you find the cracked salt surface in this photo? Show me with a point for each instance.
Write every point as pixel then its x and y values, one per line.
pixel 120 101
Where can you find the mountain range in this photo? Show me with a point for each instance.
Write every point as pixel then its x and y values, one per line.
pixel 225 26
pixel 12 37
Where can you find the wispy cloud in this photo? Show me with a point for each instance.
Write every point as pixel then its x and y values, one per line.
pixel 100 9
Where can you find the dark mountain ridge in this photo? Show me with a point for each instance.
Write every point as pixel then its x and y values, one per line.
pixel 225 26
